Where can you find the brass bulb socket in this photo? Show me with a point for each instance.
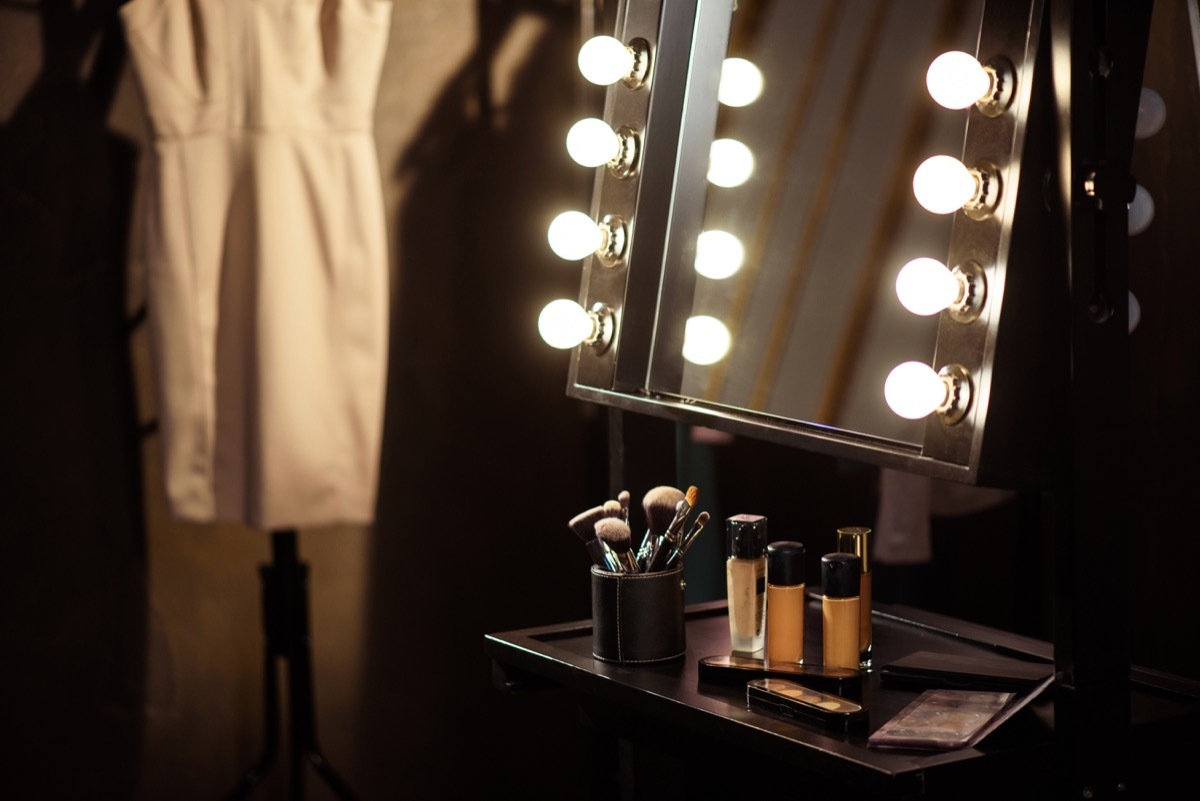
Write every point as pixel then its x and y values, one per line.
pixel 958 393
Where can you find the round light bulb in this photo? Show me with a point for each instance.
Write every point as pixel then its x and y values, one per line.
pixel 741 83
pixel 564 324
pixel 719 254
pixel 730 163
pixel 591 142
pixel 705 340
pixel 1135 312
pixel 1152 113
pixel 926 286
pixel 604 60
pixel 957 80
pixel 1141 211
pixel 573 235
pixel 943 184
pixel 914 390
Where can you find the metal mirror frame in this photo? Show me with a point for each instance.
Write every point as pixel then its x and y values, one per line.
pixel 1004 438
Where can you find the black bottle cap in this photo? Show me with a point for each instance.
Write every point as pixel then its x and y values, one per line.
pixel 840 575
pixel 785 563
pixel 746 536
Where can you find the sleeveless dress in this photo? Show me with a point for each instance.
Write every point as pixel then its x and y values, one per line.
pixel 266 254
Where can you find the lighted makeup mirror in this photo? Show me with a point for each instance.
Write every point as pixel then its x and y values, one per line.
pixel 777 165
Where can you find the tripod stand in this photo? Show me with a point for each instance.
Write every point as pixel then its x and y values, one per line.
pixel 285 626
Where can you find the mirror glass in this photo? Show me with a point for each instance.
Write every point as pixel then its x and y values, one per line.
pixel 826 217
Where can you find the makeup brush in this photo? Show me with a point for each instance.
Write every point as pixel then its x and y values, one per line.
pixel 623 499
pixel 612 509
pixel 659 505
pixel 614 533
pixel 678 552
pixel 584 526
pixel 674 534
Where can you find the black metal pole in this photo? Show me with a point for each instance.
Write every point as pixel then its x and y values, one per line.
pixel 286 637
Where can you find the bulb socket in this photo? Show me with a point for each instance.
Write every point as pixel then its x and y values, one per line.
pixel 640 73
pixel 987 191
pixel 1003 78
pixel 625 163
pixel 616 236
pixel 958 393
pixel 603 324
pixel 972 293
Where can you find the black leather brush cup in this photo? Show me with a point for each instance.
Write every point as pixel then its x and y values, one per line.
pixel 637 618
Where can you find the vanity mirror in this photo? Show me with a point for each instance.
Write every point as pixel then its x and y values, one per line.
pixel 743 271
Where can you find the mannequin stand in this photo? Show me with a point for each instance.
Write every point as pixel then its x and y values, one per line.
pixel 285 626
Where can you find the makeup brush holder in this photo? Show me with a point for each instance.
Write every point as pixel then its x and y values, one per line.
pixel 637 618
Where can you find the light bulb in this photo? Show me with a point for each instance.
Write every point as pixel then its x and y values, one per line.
pixel 1152 113
pixel 573 235
pixel 957 80
pixel 730 163
pixel 926 286
pixel 604 60
pixel 1141 211
pixel 564 324
pixel 591 142
pixel 719 254
pixel 741 83
pixel 943 184
pixel 705 340
pixel 913 390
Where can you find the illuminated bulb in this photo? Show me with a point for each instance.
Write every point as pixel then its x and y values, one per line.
pixel 719 254
pixel 943 184
pixel 604 60
pixel 926 286
pixel 591 142
pixel 1141 211
pixel 1135 312
pixel 564 324
pixel 730 163
pixel 741 83
pixel 705 340
pixel 957 80
pixel 1152 113
pixel 573 235
pixel 913 390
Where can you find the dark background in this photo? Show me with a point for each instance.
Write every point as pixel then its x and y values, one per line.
pixel 132 644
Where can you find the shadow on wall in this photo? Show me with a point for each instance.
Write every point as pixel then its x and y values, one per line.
pixel 72 540
pixel 485 459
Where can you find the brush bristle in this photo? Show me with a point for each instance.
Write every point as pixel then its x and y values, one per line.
pixel 584 523
pixel 693 496
pixel 623 498
pixel 615 533
pixel 612 508
pixel 659 505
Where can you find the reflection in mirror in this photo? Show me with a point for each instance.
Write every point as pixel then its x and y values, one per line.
pixel 810 213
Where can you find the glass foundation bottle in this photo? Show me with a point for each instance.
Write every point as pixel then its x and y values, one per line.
pixel 785 602
pixel 840 574
pixel 746 583
pixel 853 539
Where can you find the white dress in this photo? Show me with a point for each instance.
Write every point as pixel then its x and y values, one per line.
pixel 266 254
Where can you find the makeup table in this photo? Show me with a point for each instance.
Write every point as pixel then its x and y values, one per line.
pixel 678 737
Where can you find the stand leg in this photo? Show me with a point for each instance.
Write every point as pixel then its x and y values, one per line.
pixel 285 623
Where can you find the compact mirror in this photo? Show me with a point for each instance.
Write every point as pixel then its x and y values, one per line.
pixel 801 166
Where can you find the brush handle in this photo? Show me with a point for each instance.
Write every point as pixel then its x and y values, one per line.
pixel 688 539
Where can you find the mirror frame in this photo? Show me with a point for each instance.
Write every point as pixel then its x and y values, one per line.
pixel 1006 437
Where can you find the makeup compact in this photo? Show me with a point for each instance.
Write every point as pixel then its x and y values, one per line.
pixel 804 704
pixel 737 670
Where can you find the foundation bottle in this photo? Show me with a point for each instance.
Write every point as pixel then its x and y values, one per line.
pixel 746 582
pixel 840 574
pixel 785 602
pixel 853 540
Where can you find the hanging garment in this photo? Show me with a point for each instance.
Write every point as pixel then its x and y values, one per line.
pixel 266 254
